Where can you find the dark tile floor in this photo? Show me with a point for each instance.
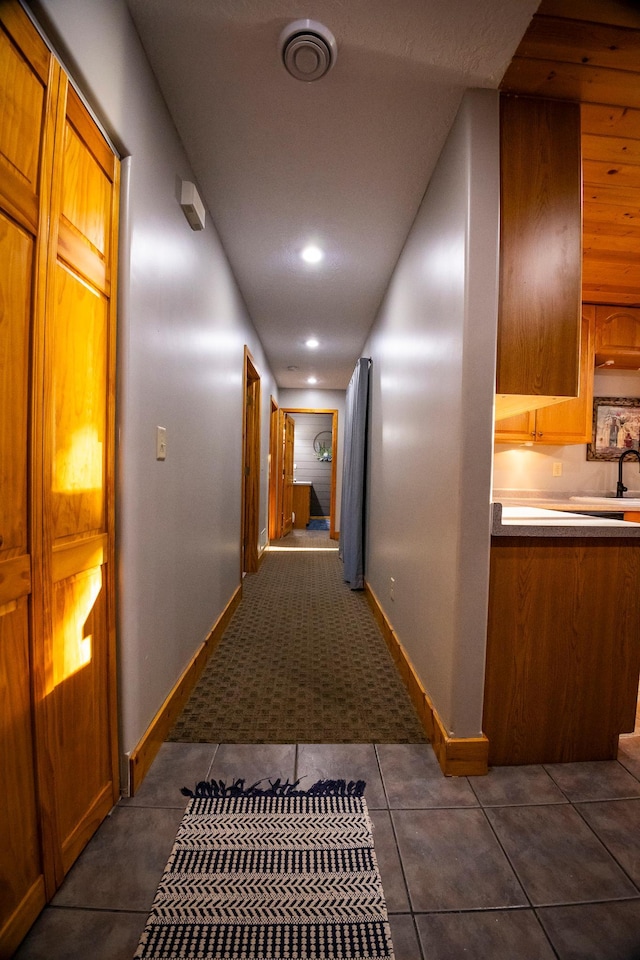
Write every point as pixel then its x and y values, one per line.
pixel 532 863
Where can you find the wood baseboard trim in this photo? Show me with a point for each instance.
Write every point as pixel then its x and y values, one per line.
pixel 457 756
pixel 143 755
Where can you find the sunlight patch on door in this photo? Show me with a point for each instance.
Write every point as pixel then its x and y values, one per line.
pixel 73 645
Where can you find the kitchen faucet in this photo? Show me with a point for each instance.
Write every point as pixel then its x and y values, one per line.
pixel 620 489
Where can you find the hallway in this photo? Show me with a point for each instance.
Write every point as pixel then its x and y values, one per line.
pixel 302 661
pixel 529 862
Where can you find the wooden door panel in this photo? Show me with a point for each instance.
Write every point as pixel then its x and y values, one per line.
pixel 83 177
pixel 16 258
pixel 21 879
pixel 78 674
pixel 79 329
pixel 21 123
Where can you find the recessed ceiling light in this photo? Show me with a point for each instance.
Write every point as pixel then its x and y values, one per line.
pixel 312 254
pixel 311 380
pixel 312 343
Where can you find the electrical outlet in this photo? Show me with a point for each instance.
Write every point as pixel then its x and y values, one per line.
pixel 161 443
pixel 557 469
pixel 392 587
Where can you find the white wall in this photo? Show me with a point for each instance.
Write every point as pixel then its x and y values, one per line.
pixel 182 327
pixel 322 400
pixel 519 469
pixel 433 375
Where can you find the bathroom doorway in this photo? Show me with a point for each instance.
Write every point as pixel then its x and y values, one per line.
pixel 314 464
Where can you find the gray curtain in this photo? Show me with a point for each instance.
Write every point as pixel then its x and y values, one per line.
pixel 352 511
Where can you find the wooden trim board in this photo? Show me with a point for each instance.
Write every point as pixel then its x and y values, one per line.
pixel 143 755
pixel 457 756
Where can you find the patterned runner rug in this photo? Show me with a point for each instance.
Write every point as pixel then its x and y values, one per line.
pixel 271 874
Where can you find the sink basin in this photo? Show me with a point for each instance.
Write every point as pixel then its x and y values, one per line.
pixel 617 503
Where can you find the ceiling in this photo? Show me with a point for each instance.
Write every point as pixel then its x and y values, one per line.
pixel 343 161
pixel 589 51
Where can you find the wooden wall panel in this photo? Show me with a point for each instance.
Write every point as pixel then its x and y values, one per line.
pixel 589 51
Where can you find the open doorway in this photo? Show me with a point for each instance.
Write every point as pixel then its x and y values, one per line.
pixel 303 469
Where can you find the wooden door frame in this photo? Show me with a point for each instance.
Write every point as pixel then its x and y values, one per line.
pixel 274 460
pixel 250 507
pixel 334 458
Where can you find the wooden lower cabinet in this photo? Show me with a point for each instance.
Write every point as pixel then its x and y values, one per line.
pixel 563 648
pixel 301 505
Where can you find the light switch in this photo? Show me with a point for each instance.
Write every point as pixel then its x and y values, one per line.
pixel 161 443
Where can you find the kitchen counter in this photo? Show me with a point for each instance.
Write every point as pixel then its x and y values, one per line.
pixel 563 658
pixel 529 517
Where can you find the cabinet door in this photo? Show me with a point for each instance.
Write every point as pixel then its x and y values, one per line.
pixel 571 421
pixel 518 429
pixel 540 253
pixel 24 134
pixel 617 337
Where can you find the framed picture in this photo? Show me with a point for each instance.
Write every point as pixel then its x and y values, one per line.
pixel 616 427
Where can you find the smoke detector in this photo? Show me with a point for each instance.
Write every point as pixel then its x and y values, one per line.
pixel 308 49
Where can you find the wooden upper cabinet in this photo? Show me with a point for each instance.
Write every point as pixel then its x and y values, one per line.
pixel 540 254
pixel 561 423
pixel 617 337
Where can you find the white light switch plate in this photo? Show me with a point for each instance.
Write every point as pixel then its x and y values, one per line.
pixel 161 443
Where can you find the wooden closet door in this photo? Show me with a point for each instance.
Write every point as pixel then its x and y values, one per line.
pixel 78 641
pixel 58 227
pixel 26 136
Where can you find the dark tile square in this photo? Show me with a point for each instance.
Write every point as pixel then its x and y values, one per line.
pixel 121 866
pixel 629 755
pixel 253 762
pixel 506 786
pixel 404 937
pixel 617 824
pixel 452 861
pixel 598 780
pixel 483 935
pixel 386 850
pixel 556 856
pixel 177 765
pixel 594 931
pixel 342 761
pixel 413 779
pixel 62 934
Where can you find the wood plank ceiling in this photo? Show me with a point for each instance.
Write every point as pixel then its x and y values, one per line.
pixel 589 51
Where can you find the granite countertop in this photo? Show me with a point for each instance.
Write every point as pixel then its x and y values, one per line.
pixel 536 517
